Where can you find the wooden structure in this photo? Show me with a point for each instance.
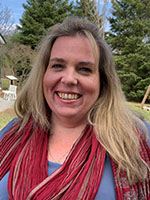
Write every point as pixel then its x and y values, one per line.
pixel 145 97
pixel 12 79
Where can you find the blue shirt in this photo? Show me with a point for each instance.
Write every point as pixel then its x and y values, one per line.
pixel 106 190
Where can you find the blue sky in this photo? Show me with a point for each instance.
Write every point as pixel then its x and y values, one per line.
pixel 16 8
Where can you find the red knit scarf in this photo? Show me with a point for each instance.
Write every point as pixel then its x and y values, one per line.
pixel 24 153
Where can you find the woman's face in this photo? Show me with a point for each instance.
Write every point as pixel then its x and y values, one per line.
pixel 71 82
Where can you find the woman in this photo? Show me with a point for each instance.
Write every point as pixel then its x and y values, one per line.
pixel 75 137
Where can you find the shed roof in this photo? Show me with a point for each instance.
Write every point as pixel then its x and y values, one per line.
pixel 11 77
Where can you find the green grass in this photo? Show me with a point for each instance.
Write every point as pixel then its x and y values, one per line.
pixel 136 107
pixel 5 83
pixel 8 114
pixel 5 117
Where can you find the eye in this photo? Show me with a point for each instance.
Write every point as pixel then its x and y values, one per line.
pixel 57 66
pixel 85 70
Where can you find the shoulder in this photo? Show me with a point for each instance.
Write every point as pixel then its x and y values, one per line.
pixel 8 127
pixel 148 130
pixel 147 126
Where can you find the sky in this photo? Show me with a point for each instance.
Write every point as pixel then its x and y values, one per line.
pixel 16 8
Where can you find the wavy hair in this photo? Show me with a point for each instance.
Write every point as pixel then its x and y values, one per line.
pixel 113 121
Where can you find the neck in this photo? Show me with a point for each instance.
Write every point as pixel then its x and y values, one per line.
pixel 62 137
pixel 66 132
pixel 68 122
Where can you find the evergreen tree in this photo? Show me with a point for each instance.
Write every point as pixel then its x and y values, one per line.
pixel 129 38
pixel 38 16
pixel 85 8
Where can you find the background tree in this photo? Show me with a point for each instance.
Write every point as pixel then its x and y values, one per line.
pixel 6 20
pixel 38 16
pixel 85 8
pixel 129 38
pixel 17 59
pixel 93 10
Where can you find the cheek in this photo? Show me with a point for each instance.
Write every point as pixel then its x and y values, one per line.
pixel 50 83
pixel 92 89
pixel 48 80
pixel 47 83
pixel 95 86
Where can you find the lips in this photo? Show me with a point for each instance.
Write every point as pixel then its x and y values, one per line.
pixel 68 96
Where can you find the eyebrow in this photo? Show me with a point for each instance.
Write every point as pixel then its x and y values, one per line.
pixel 61 60
pixel 83 63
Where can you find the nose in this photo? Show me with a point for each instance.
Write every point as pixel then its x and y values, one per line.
pixel 69 77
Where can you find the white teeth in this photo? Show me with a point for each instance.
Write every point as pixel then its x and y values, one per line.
pixel 68 96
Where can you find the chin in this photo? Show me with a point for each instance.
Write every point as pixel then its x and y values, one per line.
pixel 68 115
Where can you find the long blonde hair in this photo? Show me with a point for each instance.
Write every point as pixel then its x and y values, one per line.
pixel 112 119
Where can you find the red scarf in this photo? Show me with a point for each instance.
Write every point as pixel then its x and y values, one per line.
pixel 25 154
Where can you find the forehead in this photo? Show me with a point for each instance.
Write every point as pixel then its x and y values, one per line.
pixel 68 45
pixel 72 41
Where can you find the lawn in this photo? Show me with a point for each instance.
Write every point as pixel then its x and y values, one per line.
pixel 136 107
pixel 6 116
pixel 9 114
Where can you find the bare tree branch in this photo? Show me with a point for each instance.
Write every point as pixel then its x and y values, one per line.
pixel 104 14
pixel 6 20
pixel 98 13
pixel 17 59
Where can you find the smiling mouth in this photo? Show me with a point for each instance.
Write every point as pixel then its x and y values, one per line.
pixel 68 96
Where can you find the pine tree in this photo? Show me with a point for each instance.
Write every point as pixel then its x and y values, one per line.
pixel 129 39
pixel 85 8
pixel 39 15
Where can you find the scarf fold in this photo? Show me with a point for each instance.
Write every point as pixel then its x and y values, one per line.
pixel 25 154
